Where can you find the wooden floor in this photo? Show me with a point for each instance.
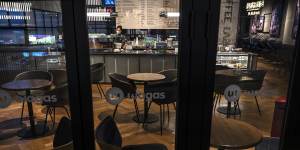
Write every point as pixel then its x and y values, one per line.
pixel 275 85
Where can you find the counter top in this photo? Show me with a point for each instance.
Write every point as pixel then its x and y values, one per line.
pixel 131 52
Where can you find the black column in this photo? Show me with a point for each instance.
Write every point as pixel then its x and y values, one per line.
pixel 77 57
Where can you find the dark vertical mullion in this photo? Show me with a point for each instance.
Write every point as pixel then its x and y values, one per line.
pixel 290 131
pixel 183 76
pixel 77 57
pixel 198 39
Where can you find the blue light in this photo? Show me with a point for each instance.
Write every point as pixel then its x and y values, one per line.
pixel 39 54
pixel 25 54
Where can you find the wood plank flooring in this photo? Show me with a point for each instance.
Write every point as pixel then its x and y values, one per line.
pixel 275 85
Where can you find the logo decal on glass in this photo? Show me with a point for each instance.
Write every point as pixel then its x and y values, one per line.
pixel 232 93
pixel 5 99
pixel 114 96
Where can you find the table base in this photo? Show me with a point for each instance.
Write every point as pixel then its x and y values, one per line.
pixel 39 131
pixel 150 119
pixel 223 110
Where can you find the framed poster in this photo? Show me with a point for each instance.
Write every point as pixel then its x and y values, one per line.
pixel 296 20
pixel 276 18
pixel 253 25
pixel 260 23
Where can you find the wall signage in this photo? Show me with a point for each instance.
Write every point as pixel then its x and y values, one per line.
pixel 228 24
pixel 146 14
pixel 253 8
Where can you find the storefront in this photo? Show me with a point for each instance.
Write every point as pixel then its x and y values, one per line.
pixel 171 74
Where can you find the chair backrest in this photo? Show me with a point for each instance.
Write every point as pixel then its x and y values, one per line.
pixel 34 75
pixel 97 72
pixel 257 83
pixel 223 81
pixel 121 82
pixel 59 76
pixel 62 95
pixel 68 146
pixel 63 134
pixel 171 74
pixel 221 67
pixel 108 135
pixel 162 92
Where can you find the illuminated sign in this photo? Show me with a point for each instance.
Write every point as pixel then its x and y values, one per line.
pixel 15 7
pixel 253 8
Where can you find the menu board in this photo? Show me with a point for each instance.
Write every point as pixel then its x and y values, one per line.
pixel 145 14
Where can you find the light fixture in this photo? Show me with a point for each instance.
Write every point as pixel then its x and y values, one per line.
pixel 98 14
pixel 15 6
pixel 173 14
pixel 169 14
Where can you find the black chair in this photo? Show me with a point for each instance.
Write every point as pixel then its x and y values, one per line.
pixel 255 85
pixel 68 146
pixel 170 74
pixel 109 137
pixel 60 91
pixel 59 76
pixel 169 91
pixel 33 75
pixel 61 101
pixel 127 87
pixel 221 83
pixel 63 135
pixel 97 76
pixel 221 67
pixel 268 143
pixel 169 88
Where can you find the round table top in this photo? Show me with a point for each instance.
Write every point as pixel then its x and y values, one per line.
pixel 22 85
pixel 243 75
pixel 146 77
pixel 233 134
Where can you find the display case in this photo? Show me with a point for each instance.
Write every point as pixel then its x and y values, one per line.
pixel 237 60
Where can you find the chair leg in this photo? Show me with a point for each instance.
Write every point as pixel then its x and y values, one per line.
pixel 174 106
pixel 228 109
pixel 46 119
pixel 216 98
pixel 22 111
pixel 99 90
pixel 235 107
pixel 53 123
pixel 238 106
pixel 161 120
pixel 258 108
pixel 102 90
pixel 168 113
pixel 116 108
pixel 146 111
pixel 136 109
pixel 67 111
pixel 164 115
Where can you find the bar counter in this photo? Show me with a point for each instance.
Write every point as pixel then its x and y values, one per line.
pixel 134 61
pixel 124 62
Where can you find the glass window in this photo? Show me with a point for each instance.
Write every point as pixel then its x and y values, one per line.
pixel 39 19
pixel 3 20
pixel 17 19
pixel 252 74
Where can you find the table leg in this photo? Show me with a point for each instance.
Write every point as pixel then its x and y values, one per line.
pixel 228 110
pixel 146 117
pixel 31 117
pixel 35 130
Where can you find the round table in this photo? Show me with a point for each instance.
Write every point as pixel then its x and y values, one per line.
pixel 233 134
pixel 146 78
pixel 28 85
pixel 240 76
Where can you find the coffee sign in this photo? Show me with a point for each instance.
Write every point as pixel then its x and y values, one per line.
pixel 228 25
pixel 253 8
